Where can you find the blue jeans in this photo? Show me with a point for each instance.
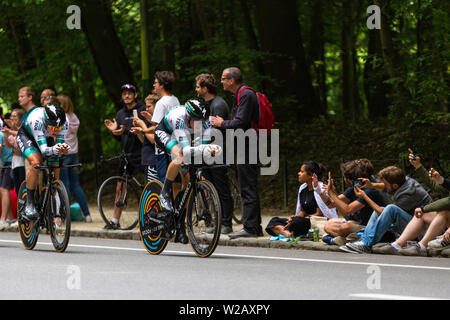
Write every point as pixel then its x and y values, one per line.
pixel 392 218
pixel 69 177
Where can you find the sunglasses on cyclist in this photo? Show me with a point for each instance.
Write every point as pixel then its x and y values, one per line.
pixel 54 128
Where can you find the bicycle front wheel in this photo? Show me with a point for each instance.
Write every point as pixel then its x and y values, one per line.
pixel 58 213
pixel 204 219
pixel 28 230
pixel 119 197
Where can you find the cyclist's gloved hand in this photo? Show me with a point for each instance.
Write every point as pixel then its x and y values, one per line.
pixel 211 150
pixel 57 148
pixel 66 147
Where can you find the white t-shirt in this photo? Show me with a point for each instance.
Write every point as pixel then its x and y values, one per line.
pixel 164 105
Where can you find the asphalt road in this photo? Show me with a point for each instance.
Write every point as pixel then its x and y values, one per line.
pixel 122 269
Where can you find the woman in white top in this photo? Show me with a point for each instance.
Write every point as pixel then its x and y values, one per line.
pixel 309 203
pixel 69 176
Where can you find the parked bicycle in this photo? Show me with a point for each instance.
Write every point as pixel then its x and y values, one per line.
pixel 235 190
pixel 53 206
pixel 119 195
pixel 198 204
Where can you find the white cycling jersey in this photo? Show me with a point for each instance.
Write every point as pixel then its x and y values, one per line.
pixel 175 125
pixel 36 127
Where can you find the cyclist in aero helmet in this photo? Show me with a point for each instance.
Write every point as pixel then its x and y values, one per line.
pixel 42 133
pixel 173 135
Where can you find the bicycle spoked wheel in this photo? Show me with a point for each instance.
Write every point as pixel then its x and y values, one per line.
pixel 29 231
pixel 153 242
pixel 236 196
pixel 204 219
pixel 118 194
pixel 58 213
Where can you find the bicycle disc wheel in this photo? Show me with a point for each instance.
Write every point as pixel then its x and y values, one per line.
pixel 29 231
pixel 58 213
pixel 153 241
pixel 204 213
pixel 116 193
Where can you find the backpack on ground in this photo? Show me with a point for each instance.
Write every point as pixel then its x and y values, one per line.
pixel 266 118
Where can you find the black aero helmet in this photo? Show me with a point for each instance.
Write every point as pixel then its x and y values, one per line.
pixel 196 109
pixel 54 115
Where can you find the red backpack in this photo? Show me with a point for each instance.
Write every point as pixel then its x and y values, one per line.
pixel 266 115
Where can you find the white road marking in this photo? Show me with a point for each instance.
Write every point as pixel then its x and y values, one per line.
pixel 251 256
pixel 389 297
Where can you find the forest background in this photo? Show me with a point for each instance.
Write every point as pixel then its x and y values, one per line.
pixel 339 90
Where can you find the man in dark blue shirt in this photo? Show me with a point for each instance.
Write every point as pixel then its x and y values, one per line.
pixel 244 112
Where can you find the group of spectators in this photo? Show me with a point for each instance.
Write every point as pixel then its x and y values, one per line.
pixel 391 208
pixel 368 221
pixel 135 125
pixel 14 164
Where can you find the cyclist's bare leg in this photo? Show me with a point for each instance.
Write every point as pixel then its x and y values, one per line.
pixel 32 179
pixel 172 172
pixel 33 173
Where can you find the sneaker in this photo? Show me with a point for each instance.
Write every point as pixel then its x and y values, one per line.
pixel 112 226
pixel 348 249
pixel 88 219
pixel 438 244
pixel 3 225
pixel 386 249
pixel 414 251
pixel 359 246
pixel 328 239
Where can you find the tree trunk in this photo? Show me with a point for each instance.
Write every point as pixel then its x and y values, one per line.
pixel 107 51
pixel 145 47
pixel 280 37
pixel 251 37
pixel 317 55
pixel 430 66
pixel 350 93
pixel 374 76
pixel 393 61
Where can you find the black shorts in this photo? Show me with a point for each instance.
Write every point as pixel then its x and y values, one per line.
pixel 299 225
pixel 6 180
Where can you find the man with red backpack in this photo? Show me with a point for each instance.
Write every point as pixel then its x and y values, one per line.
pixel 245 113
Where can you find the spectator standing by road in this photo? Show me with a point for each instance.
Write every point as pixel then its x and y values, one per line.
pixel 26 101
pixel 6 183
pixel 144 132
pixel 163 87
pixel 69 176
pixel 244 112
pixel 206 88
pixel 130 143
pixel 18 161
pixel 45 94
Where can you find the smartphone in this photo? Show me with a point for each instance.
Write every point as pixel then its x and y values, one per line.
pixel 135 113
pixel 413 149
pixel 358 183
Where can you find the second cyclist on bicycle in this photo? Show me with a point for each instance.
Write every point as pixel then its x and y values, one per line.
pixel 173 135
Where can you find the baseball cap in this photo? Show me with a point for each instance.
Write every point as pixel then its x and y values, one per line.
pixel 129 87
